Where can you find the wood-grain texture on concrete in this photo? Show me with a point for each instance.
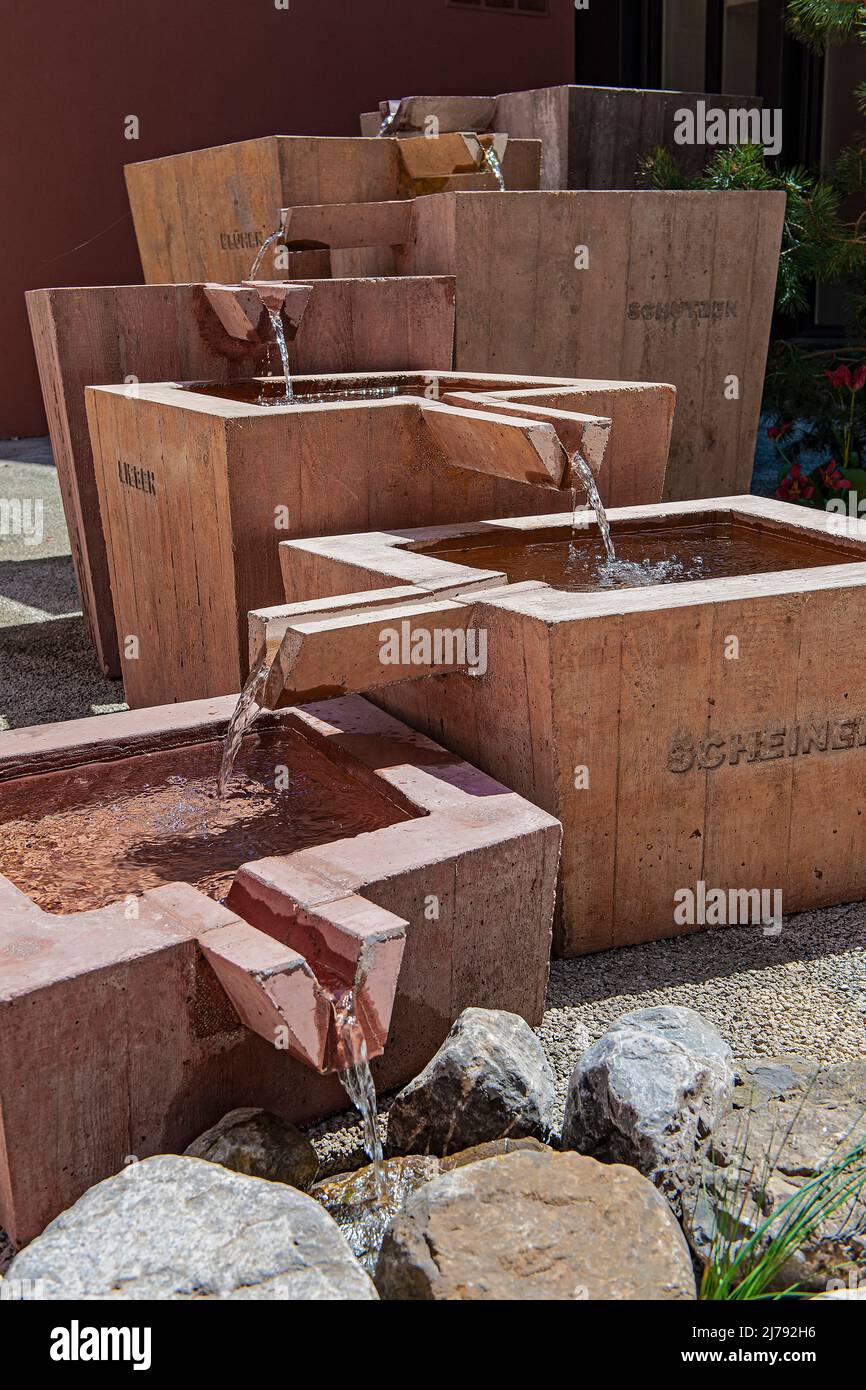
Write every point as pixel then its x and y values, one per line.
pixel 649 286
pixel 196 546
pixel 720 724
pixel 202 215
pixel 134 333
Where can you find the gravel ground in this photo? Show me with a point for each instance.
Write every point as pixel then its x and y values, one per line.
pixel 47 667
pixel 802 992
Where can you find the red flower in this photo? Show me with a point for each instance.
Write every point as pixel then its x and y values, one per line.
pixel 795 486
pixel 832 478
pixel 844 377
pixel 840 377
pixel 777 431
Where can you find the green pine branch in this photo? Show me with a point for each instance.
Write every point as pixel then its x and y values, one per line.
pixel 818 23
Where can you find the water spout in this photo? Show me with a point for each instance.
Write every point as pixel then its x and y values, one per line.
pixel 239 307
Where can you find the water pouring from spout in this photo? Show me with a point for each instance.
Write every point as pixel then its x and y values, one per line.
pixel 285 304
pixel 246 711
pixel 262 251
pixel 614 573
pixel 389 118
pixel 491 159
pixel 357 1079
pixel 586 476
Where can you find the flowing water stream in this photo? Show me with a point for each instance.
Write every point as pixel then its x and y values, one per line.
pixel 245 712
pixel 357 1079
pixel 616 573
pixel 276 318
pixel 587 477
pixel 260 256
pixel 388 121
pixel 355 1075
pixel 491 159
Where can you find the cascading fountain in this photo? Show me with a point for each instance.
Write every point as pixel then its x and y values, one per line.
pixel 351 451
pixel 354 1071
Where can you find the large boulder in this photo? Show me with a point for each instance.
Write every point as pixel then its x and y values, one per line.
pixel 490 1079
pixel 535 1226
pixel 647 1094
pixel 180 1228
pixel 260 1144
pixel 773 1154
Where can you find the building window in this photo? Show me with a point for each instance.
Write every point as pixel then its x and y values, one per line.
pixel 710 45
pixel 740 49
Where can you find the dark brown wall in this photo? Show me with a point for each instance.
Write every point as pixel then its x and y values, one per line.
pixel 198 73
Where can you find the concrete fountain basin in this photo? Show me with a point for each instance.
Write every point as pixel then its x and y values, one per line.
pixel 709 730
pixel 158 970
pixel 199 482
pixel 126 334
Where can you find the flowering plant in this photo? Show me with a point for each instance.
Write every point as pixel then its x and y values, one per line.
pixel 840 427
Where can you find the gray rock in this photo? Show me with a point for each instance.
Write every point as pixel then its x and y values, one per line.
pixel 260 1144
pixel 648 1092
pixel 494 1148
pixel 490 1079
pixel 179 1228
pixel 789 1122
pixel 536 1226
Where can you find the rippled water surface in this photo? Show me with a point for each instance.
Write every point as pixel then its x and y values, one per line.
pixel 644 556
pixel 83 837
